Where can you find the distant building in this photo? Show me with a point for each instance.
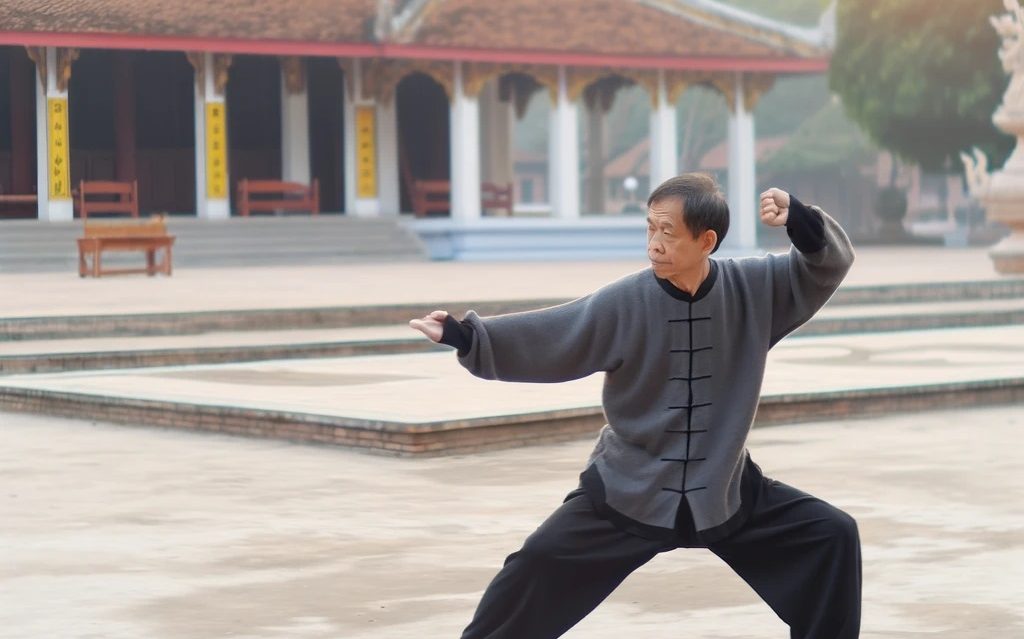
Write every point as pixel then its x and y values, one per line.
pixel 368 96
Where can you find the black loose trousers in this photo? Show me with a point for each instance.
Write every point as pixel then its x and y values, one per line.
pixel 800 554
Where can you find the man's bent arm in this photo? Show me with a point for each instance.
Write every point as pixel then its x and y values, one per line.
pixel 806 278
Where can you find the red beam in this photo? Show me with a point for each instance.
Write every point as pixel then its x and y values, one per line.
pixel 371 50
pixel 188 43
pixel 579 59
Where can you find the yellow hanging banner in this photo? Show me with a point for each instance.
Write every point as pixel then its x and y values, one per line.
pixel 366 153
pixel 216 151
pixel 60 172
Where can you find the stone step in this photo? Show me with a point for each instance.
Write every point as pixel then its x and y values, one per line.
pixel 51 354
pixel 31 246
pixel 85 326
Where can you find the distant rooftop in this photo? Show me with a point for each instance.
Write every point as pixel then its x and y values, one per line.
pixel 676 32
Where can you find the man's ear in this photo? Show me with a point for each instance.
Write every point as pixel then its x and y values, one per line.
pixel 708 240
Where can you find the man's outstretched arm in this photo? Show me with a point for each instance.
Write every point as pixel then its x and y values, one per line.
pixel 560 343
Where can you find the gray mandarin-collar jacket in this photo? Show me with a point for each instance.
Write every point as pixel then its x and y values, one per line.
pixel 682 374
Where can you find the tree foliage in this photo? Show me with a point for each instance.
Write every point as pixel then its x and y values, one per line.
pixel 922 77
pixel 826 141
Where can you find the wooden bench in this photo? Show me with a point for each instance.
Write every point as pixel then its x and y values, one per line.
pixel 95 196
pixel 148 236
pixel 435 196
pixel 291 196
pixel 497 197
pixel 431 196
pixel 13 198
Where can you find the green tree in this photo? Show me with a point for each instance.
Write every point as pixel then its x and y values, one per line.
pixel 826 141
pixel 921 77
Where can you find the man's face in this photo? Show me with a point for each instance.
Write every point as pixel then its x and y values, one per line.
pixel 671 247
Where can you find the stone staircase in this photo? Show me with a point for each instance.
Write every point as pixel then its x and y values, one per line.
pixel 31 246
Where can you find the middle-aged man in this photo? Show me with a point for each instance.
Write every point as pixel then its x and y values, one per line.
pixel 683 346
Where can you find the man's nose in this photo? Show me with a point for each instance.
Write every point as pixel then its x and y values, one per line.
pixel 654 245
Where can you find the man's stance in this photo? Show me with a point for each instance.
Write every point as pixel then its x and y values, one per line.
pixel 683 346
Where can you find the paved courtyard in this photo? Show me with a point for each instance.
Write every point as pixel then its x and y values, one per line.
pixel 119 532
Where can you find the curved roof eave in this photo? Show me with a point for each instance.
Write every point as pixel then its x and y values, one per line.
pixel 94 40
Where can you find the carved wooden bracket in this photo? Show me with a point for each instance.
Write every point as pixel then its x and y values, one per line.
pixel 476 74
pixel 381 77
pixel 294 74
pixel 754 87
pixel 519 89
pixel 65 58
pixel 581 80
pixel 600 94
pixel 38 56
pixel 221 65
pixel 348 72
pixel 724 83
pixel 195 58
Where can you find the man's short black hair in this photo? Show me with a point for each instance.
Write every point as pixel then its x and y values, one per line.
pixel 704 206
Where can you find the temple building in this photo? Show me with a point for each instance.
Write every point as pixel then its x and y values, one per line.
pixel 386 103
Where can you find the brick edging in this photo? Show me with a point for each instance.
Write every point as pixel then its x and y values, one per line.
pixel 473 435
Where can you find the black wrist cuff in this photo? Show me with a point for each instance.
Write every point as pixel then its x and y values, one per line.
pixel 457 334
pixel 805 227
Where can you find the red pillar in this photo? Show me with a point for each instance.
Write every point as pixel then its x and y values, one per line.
pixel 124 116
pixel 23 129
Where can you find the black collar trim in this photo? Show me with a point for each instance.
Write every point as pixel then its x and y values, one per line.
pixel 703 290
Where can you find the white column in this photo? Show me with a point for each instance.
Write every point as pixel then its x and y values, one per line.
pixel 465 152
pixel 360 205
pixel 563 155
pixel 387 158
pixel 199 120
pixel 664 139
pixel 50 210
pixel 594 199
pixel 348 138
pixel 497 120
pixel 742 185
pixel 207 207
pixel 294 132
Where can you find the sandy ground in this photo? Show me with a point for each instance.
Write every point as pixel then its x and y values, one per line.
pixel 113 532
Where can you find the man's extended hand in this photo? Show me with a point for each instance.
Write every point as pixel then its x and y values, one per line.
pixel 431 325
pixel 774 207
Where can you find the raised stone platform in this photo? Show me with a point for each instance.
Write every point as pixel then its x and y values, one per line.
pixel 426 404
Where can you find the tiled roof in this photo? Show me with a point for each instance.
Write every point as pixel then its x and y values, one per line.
pixel 311 20
pixel 659 28
pixel 615 27
pixel 636 159
pixel 717 159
